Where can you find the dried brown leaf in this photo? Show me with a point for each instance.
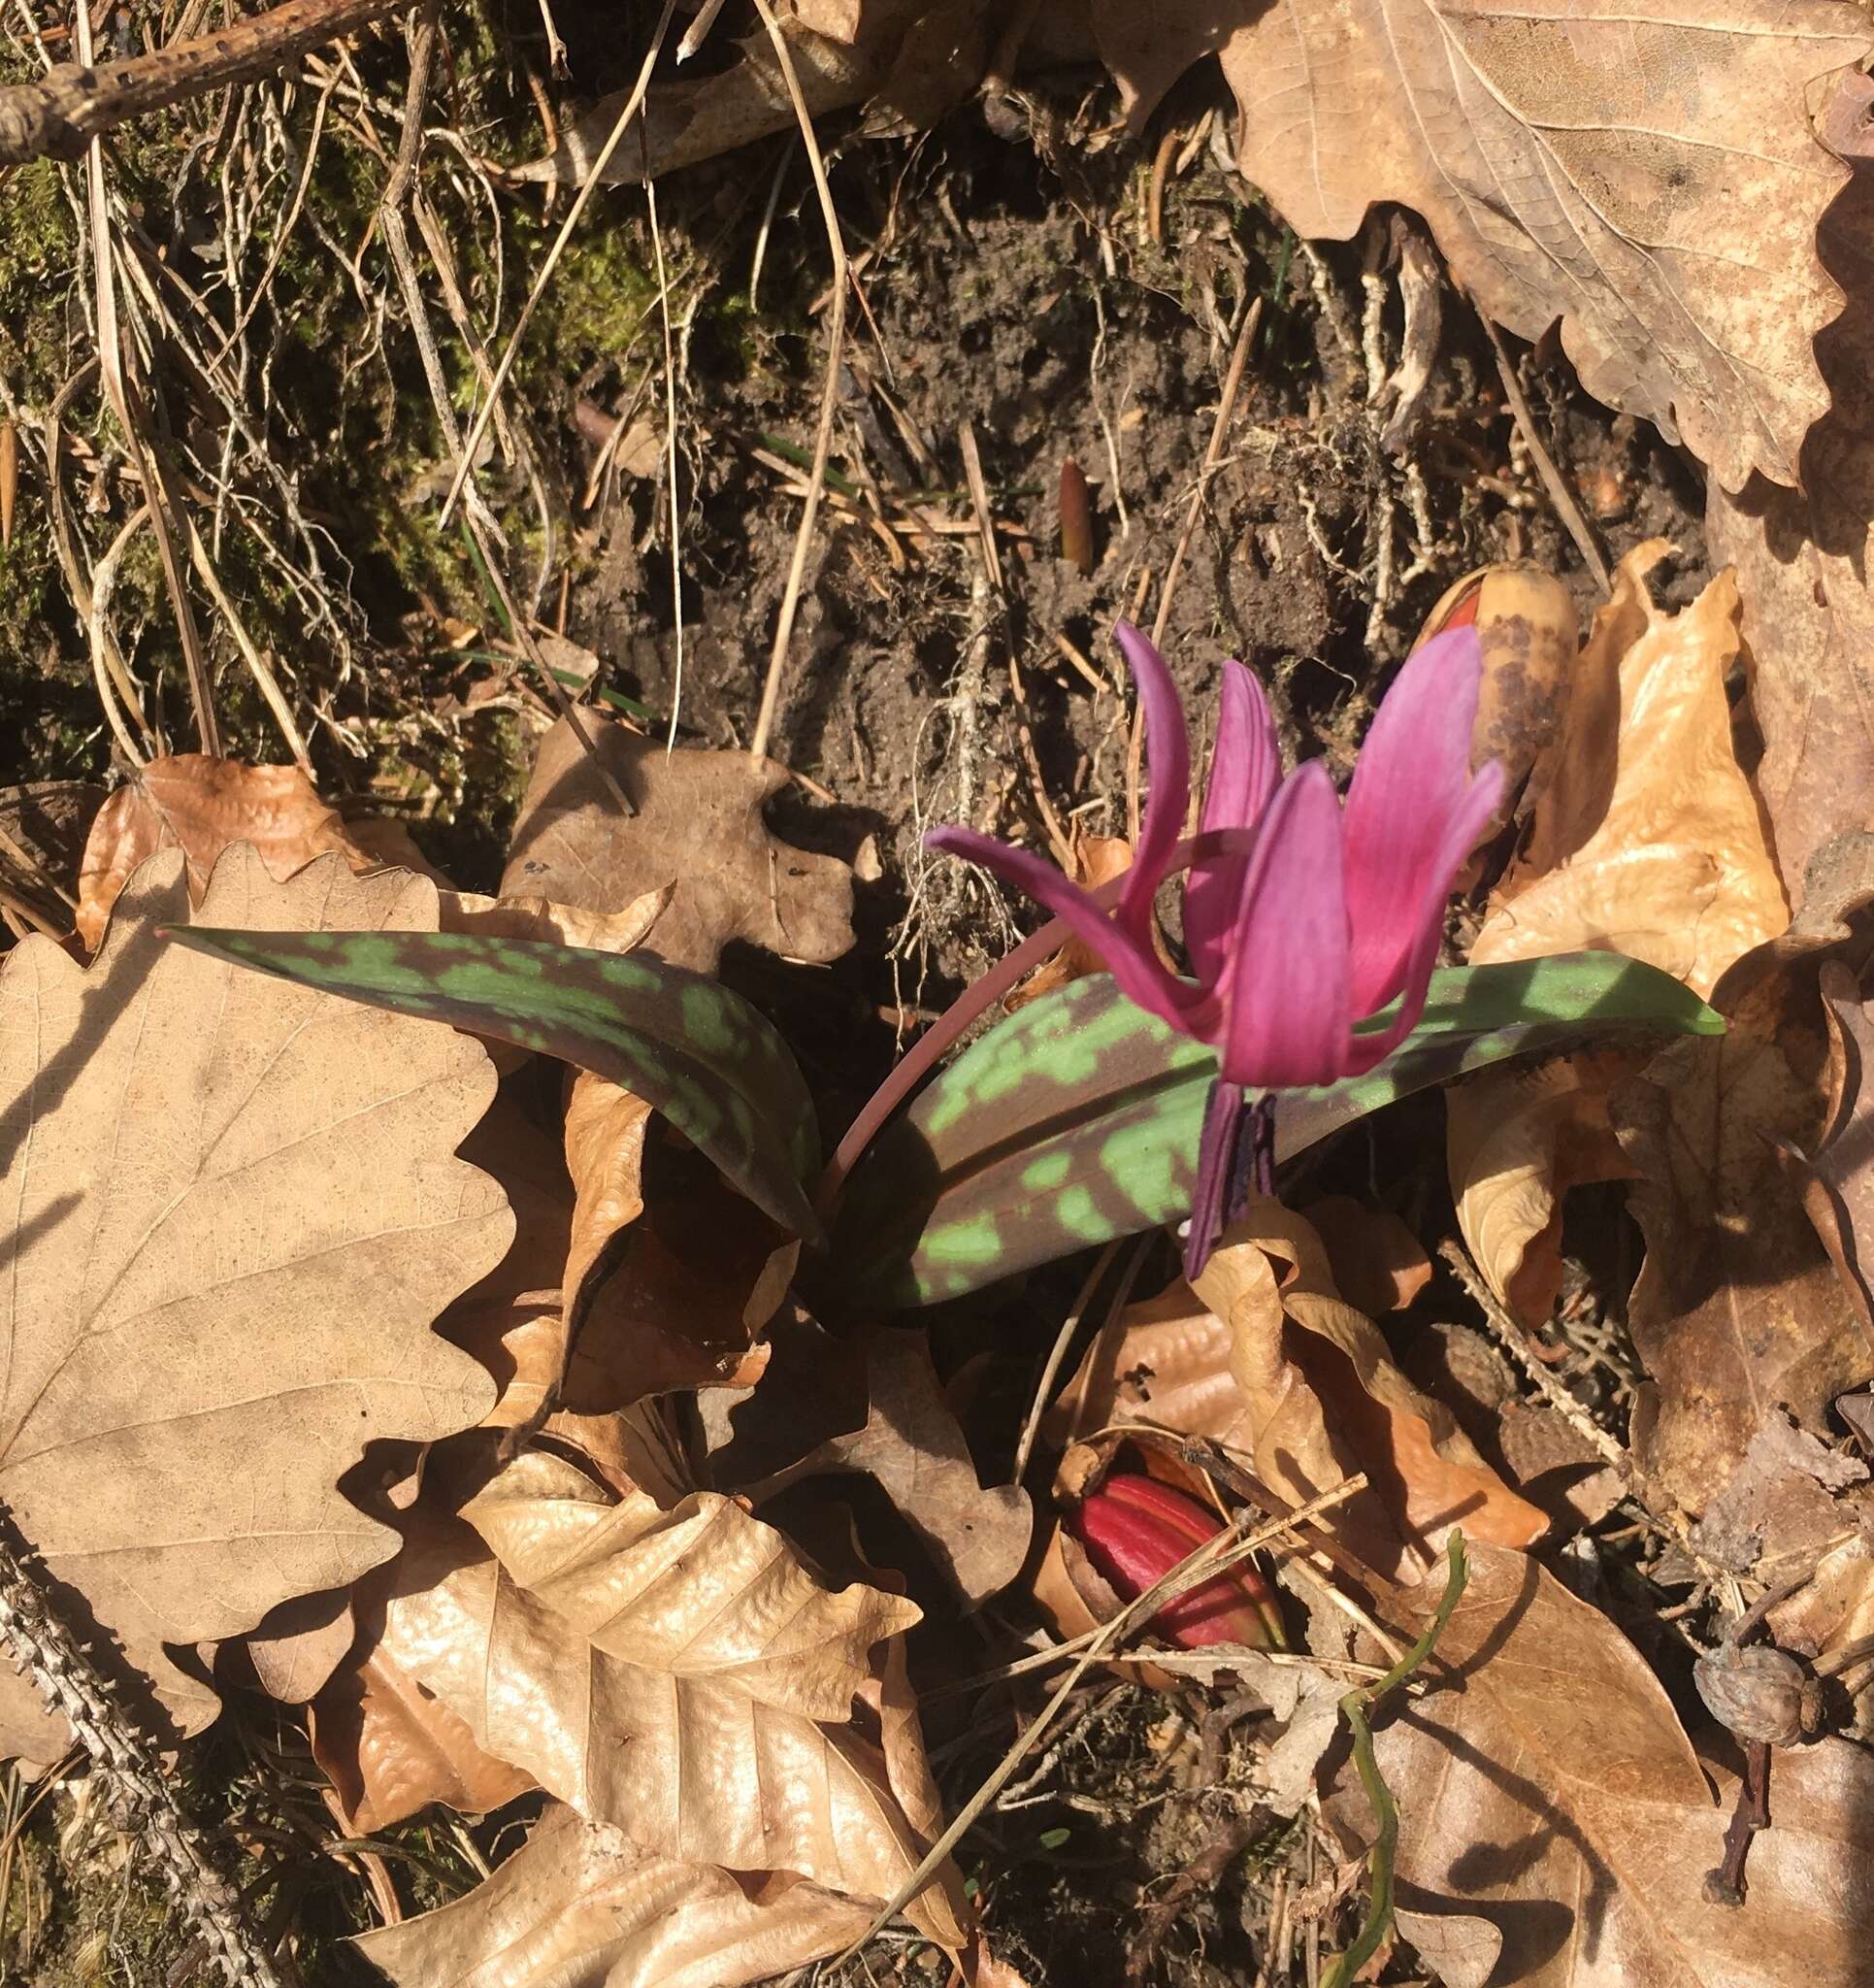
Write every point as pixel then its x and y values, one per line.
pixel 1804 559
pixel 34 1738
pixel 201 805
pixel 1737 1309
pixel 1548 1788
pixel 580 1905
pixel 390 1747
pixel 699 826
pixel 299 1644
pixel 43 827
pixel 235 1208
pixel 1097 859
pixel 1517 1140
pixel 1377 1264
pixel 1651 181
pixel 666 1673
pixel 977 1535
pixel 1329 1400
pixel 1646 838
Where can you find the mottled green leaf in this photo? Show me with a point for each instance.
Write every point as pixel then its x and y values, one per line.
pixel 700 1054
pixel 1077 1120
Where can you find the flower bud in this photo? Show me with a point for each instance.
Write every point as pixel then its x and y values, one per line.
pixel 1136 1530
pixel 1527 630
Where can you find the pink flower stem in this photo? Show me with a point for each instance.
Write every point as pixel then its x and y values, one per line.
pixel 974 999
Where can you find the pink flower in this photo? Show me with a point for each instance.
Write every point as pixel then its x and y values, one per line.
pixel 1317 918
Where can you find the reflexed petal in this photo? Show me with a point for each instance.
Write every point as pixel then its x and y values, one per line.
pixel 1288 1019
pixel 1410 783
pixel 1434 890
pixel 1244 771
pixel 1167 754
pixel 1132 962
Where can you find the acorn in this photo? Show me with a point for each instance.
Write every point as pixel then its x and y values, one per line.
pixel 1136 1530
pixel 1529 632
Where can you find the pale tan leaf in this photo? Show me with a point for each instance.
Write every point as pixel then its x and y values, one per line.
pixel 578 1906
pixel 1461 1950
pixel 201 805
pixel 32 1736
pixel 389 1747
pixel 236 1207
pixel 1550 1789
pixel 541 918
pixel 1647 175
pixel 1646 838
pixel 666 1673
pixel 699 826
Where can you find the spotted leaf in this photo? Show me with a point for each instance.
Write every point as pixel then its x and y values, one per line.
pixel 1077 1120
pixel 700 1054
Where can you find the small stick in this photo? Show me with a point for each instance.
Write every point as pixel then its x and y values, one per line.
pixel 44 1650
pixel 771 690
pixel 1560 495
pixel 74 103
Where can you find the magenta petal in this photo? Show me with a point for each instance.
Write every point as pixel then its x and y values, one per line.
pixel 1461 832
pixel 1288 1020
pixel 1167 754
pixel 1131 962
pixel 1410 784
pixel 1244 771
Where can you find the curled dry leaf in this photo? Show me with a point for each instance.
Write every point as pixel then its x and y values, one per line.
pixel 235 1208
pixel 580 1905
pixel 1097 859
pixel 977 1537
pixel 201 805
pixel 1647 840
pixel 1328 1400
pixel 1652 181
pixel 43 827
pixel 699 827
pixel 389 1747
pixel 664 1673
pixel 1517 1140
pixel 1547 1786
pixel 1266 1358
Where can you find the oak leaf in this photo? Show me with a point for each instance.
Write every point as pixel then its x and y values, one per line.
pixel 699 826
pixel 1649 177
pixel 1546 1785
pixel 662 1671
pixel 234 1209
pixel 581 1906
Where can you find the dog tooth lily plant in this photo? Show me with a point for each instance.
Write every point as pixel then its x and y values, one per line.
pixel 1312 918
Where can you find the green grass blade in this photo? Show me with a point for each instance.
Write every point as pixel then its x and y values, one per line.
pixel 1077 1120
pixel 703 1056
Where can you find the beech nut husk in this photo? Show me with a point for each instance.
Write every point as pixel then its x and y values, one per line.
pixel 1136 1530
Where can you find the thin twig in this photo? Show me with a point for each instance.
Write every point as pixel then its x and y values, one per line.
pixel 1560 495
pixel 581 200
pixel 669 440
pixel 76 103
pixel 771 691
pixel 1063 1340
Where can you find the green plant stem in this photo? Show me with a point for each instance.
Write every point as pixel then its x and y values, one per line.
pixel 1354 1707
